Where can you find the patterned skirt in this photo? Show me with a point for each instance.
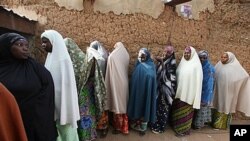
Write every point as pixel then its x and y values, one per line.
pixel 202 116
pixel 221 120
pixel 103 122
pixel 182 116
pixel 87 123
pixel 162 114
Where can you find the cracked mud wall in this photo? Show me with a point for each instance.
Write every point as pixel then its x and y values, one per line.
pixel 229 30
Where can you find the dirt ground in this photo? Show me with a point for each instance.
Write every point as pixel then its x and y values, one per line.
pixel 204 134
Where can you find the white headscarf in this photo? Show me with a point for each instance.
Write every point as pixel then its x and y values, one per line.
pixel 116 80
pixel 189 80
pixel 59 64
pixel 229 79
pixel 99 53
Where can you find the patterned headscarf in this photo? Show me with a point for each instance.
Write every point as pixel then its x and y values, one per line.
pixel 187 49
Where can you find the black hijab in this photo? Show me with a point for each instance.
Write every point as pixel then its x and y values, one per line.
pixel 32 86
pixel 6 41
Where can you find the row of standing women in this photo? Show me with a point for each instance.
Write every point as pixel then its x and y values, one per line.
pixel 200 87
pixel 72 96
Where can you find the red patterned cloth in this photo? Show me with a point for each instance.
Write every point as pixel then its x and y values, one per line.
pixel 120 123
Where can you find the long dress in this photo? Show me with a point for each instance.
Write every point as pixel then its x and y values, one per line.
pixel 188 94
pixel 116 81
pixel 100 54
pixel 87 123
pixel 59 63
pixel 166 79
pixel 230 91
pixel 32 86
pixel 142 97
pixel 204 115
pixel 91 90
pixel 94 92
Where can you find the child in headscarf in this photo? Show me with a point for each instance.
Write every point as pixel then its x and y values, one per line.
pixel 203 115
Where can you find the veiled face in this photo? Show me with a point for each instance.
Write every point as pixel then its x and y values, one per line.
pixel 224 58
pixel 46 45
pixel 20 49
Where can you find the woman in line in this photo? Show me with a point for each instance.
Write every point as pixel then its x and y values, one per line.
pixel 32 86
pixel 166 79
pixel 97 58
pixel 188 94
pixel 203 115
pixel 116 81
pixel 59 64
pixel 143 91
pixel 87 74
pixel 231 90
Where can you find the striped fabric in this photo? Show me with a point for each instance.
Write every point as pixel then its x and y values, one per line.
pixel 221 120
pixel 182 117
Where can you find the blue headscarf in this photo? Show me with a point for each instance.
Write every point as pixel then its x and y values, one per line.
pixel 148 56
pixel 208 79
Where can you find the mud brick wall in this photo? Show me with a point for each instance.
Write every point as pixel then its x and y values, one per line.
pixel 226 29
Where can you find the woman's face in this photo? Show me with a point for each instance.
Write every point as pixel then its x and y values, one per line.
pixel 46 45
pixel 224 58
pixel 168 51
pixel 187 55
pixel 20 49
pixel 143 57
pixel 202 58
